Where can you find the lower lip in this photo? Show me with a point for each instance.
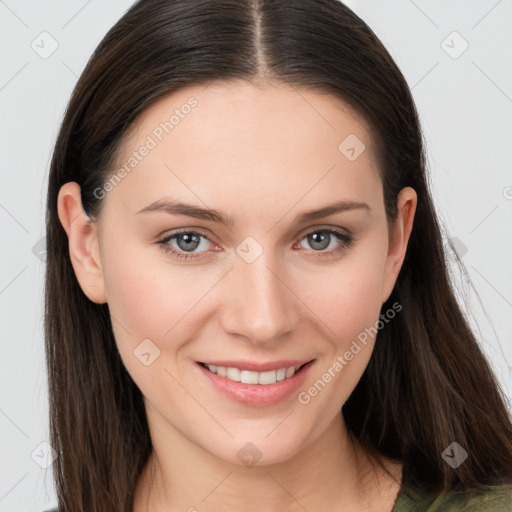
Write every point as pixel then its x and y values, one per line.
pixel 257 395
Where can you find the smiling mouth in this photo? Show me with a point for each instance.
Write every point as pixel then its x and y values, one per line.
pixel 251 377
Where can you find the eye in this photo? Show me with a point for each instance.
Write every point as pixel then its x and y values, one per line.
pixel 187 244
pixel 322 239
pixel 183 244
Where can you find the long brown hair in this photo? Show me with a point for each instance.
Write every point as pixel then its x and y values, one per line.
pixel 427 384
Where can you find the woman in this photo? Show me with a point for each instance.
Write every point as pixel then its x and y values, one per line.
pixel 247 300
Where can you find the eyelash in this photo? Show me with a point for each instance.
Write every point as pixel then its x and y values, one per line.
pixel 347 241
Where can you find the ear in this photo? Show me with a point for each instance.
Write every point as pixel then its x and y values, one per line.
pixel 83 242
pixel 399 235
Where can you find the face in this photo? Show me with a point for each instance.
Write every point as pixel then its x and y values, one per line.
pixel 261 285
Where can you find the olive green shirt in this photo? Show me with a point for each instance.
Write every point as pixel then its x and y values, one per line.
pixel 490 499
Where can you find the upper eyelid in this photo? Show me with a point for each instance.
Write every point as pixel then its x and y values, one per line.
pixel 184 231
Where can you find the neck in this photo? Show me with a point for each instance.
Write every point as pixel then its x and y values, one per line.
pixel 329 473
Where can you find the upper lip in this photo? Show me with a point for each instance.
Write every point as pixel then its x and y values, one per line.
pixel 258 367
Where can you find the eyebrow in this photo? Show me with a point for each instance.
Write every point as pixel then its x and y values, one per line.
pixel 175 207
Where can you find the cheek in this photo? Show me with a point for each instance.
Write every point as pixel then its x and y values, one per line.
pixel 348 301
pixel 150 300
pixel 351 310
pixel 140 298
pixel 346 297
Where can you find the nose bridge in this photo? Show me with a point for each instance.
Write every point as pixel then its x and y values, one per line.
pixel 260 306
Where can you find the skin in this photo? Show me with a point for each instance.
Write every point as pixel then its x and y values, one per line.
pixel 263 155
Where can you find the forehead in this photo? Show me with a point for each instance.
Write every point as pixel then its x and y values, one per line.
pixel 265 115
pixel 265 141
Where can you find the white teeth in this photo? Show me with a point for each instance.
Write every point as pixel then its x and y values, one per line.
pixel 249 377
pixel 268 377
pixel 233 374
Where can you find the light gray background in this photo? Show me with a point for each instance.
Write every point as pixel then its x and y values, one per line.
pixel 465 107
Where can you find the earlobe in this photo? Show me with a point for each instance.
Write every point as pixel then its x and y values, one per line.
pixel 83 242
pixel 398 239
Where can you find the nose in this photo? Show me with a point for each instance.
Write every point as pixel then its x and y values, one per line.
pixel 258 303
